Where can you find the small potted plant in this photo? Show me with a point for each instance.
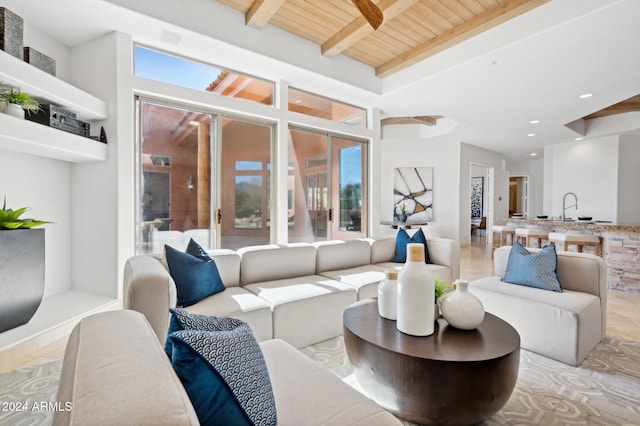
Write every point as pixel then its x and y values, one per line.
pixel 18 102
pixel 22 252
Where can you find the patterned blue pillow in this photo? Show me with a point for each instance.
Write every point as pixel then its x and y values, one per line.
pixel 194 272
pixel 537 270
pixel 181 319
pixel 225 376
pixel 403 238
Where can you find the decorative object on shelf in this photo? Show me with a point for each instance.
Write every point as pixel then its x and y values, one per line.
pixel 11 32
pixel 39 60
pixel 388 295
pixel 18 102
pixel 21 267
pixel 413 186
pixel 462 309
pixel 416 294
pixel 60 118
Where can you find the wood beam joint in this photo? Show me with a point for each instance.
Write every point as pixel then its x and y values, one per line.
pixel 261 11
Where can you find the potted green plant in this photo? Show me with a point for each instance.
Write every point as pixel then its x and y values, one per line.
pixel 21 267
pixel 440 288
pixel 18 102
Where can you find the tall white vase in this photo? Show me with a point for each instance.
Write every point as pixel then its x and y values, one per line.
pixel 388 295
pixel 415 294
pixel 462 309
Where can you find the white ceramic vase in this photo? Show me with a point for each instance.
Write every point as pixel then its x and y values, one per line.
pixel 462 309
pixel 15 110
pixel 388 295
pixel 415 294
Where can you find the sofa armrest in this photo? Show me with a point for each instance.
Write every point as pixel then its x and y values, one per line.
pixel 445 252
pixel 581 272
pixel 115 372
pixel 149 289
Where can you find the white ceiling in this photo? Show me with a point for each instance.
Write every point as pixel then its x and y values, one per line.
pixel 533 67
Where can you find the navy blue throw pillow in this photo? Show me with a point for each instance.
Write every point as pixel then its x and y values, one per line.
pixel 181 319
pixel 403 238
pixel 195 273
pixel 225 376
pixel 538 270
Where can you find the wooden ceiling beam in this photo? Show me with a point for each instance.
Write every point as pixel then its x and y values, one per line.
pixel 480 23
pixel 428 120
pixel 261 11
pixel 360 28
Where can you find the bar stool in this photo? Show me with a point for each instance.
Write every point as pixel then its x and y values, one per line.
pixel 503 232
pixel 526 235
pixel 563 241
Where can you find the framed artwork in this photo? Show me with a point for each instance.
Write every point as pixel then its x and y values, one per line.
pixel 413 194
pixel 477 195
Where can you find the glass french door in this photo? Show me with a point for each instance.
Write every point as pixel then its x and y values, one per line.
pixel 245 183
pixel 174 188
pixel 326 179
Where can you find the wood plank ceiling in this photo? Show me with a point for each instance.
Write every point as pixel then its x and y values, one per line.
pixel 412 30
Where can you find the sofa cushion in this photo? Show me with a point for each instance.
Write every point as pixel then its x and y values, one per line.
pixel 365 279
pixel 194 272
pixel 273 262
pixel 403 238
pixel 538 270
pixel 307 394
pixel 338 254
pixel 225 375
pixel 237 302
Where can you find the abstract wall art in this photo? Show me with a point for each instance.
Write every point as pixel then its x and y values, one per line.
pixel 477 194
pixel 413 192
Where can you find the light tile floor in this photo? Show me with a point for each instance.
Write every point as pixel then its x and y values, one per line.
pixel 623 310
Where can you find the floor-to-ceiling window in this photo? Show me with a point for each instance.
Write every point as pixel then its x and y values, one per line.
pixel 205 165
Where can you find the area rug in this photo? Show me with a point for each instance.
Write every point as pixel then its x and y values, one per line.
pixel 25 394
pixel 604 390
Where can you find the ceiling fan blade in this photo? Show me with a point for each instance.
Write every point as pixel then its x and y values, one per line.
pixel 370 11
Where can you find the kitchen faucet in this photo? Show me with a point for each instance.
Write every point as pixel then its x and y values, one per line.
pixel 564 199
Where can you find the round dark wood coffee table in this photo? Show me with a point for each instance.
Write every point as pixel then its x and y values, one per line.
pixel 453 377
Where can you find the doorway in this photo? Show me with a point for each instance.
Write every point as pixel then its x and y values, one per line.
pixel 519 196
pixel 481 203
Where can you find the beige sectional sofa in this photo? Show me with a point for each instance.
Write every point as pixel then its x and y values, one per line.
pixel 564 326
pixel 115 372
pixel 294 292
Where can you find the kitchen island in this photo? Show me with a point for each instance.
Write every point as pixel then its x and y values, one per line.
pixel 620 246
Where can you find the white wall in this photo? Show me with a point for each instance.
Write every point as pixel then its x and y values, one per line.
pixel 98 204
pixel 44 186
pixel 587 168
pixel 628 180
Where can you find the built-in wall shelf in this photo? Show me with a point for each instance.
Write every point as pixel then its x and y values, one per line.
pixel 53 320
pixel 50 89
pixel 33 138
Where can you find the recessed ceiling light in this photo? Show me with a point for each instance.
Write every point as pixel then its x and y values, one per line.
pixel 533 154
pixel 534 121
pixel 531 134
pixel 585 95
pixel 578 139
pixel 298 101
